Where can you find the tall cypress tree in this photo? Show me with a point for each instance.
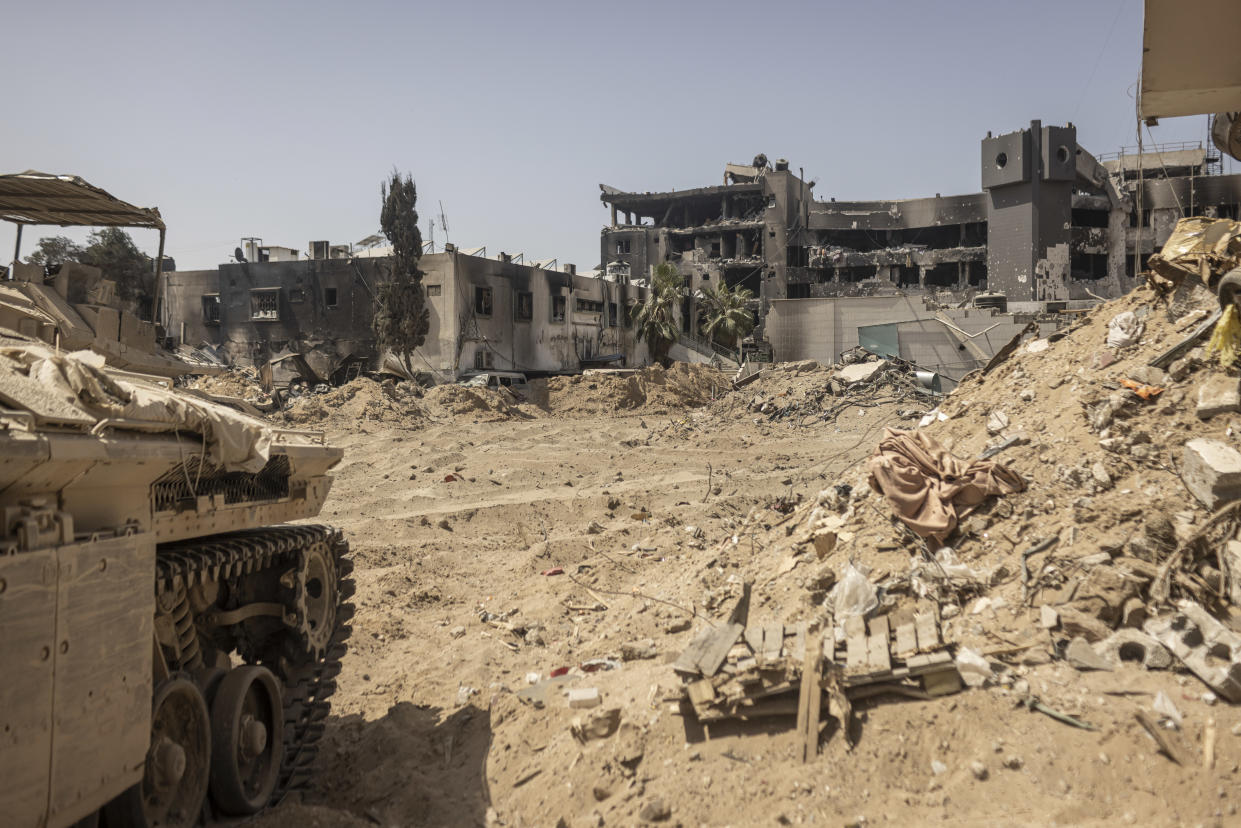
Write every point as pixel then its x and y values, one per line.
pixel 402 320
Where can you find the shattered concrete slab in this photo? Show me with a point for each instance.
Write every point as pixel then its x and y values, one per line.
pixel 1204 645
pixel 861 371
pixel 1135 646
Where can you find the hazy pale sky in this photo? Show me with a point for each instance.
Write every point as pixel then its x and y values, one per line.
pixel 281 120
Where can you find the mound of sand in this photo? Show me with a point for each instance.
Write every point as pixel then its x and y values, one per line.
pixel 482 404
pixel 651 390
pixel 358 401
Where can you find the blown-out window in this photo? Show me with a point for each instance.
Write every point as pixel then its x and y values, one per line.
pixel 211 308
pixel 265 304
pixel 482 301
pixel 525 305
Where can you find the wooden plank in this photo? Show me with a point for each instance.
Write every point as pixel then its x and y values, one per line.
pixel 810 701
pixel 687 662
pixel 838 704
pixel 928 631
pixel 797 651
pixel 877 645
pixel 803 707
pixel 855 643
pixel 906 640
pixel 773 642
pixel 700 692
pixel 717 646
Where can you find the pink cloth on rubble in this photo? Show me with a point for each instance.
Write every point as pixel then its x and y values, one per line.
pixel 925 483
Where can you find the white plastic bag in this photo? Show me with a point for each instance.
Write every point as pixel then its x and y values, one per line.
pixel 1167 710
pixel 1124 330
pixel 852 595
pixel 925 576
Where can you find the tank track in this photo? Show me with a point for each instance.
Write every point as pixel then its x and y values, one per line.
pixel 308 687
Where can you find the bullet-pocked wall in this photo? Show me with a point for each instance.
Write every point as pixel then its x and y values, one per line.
pixel 484 313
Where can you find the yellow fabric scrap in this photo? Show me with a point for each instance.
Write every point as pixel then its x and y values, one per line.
pixel 1226 338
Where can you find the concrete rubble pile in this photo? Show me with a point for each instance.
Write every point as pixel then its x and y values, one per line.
pixel 1112 541
pixel 237 387
pixel 806 393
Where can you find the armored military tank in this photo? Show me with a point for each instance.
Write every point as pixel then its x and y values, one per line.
pixel 169 640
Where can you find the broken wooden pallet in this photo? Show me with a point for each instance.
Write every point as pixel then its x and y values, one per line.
pixel 763 664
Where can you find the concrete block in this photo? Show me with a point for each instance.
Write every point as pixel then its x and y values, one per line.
pixel 1212 471
pixel 136 332
pixel 1135 645
pixel 1206 652
pixel 1219 394
pixel 108 324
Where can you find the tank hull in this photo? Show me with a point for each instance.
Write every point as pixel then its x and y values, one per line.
pixel 147 554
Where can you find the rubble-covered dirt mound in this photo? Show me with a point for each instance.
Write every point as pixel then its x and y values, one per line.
pixel 360 400
pixel 802 394
pixel 236 382
pixel 1114 538
pixel 651 390
pixel 479 403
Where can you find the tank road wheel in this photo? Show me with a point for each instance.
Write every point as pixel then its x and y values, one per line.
pixel 247 730
pixel 317 596
pixel 174 787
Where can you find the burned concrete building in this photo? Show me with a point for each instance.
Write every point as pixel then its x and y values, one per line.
pixel 311 318
pixel 1053 228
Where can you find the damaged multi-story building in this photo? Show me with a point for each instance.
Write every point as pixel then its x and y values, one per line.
pixel 1052 229
pixel 311 318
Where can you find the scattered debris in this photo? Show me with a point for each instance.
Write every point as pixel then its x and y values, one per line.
pixel 580 697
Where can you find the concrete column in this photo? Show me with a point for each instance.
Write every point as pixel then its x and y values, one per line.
pixel 1117 231
pixel 613 215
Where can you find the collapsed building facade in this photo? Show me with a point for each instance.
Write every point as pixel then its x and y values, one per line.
pixel 1053 229
pixel 311 319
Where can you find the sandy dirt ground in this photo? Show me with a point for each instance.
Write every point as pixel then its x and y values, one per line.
pixel 496 544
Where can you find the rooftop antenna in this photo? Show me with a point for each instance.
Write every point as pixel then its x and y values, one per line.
pixel 431 233
pixel 443 222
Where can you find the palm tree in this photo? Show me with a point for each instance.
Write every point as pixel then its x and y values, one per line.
pixel 725 315
pixel 655 319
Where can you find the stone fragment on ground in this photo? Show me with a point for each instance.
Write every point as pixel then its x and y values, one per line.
pixel 1082 656
pixel 1218 394
pixel 1212 471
